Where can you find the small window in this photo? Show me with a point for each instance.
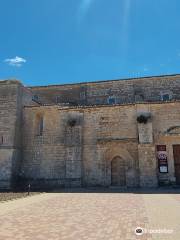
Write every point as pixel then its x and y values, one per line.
pixel 97 101
pixel 39 125
pixel 58 99
pixel 82 95
pixel 139 97
pixel 35 98
pixel 165 97
pixel 112 100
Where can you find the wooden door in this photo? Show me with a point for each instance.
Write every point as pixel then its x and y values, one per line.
pixel 118 176
pixel 176 151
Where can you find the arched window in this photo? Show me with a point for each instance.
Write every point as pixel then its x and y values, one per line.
pixel 166 95
pixel 39 125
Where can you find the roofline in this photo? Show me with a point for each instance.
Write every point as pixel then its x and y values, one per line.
pixel 101 106
pixel 10 81
pixel 105 81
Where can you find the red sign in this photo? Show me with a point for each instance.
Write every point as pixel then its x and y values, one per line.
pixel 162 158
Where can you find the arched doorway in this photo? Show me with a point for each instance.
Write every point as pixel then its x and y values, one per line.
pixel 118 172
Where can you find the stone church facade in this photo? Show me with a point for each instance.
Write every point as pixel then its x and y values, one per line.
pixel 108 133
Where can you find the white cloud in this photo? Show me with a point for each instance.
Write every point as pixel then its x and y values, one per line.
pixel 17 61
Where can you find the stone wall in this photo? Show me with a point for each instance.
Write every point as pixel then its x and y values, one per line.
pixel 165 118
pixel 109 132
pixel 157 131
pixel 55 156
pixel 111 92
pixel 12 97
pixel 59 145
pixel 79 154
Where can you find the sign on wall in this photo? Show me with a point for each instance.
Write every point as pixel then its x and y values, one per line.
pixel 162 158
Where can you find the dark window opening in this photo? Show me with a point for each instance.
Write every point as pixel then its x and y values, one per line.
pixel 58 99
pixel 82 95
pixel 39 125
pixel 98 101
pixel 35 98
pixel 1 140
pixel 111 100
pixel 165 97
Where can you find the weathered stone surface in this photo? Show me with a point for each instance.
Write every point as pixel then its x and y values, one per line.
pixel 148 89
pixel 52 145
pixel 147 165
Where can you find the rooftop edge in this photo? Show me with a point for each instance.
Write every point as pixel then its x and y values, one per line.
pixel 104 81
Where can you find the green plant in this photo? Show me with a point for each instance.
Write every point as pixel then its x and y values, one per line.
pixel 72 122
pixel 142 119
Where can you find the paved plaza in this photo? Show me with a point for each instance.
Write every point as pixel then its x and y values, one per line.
pixel 110 215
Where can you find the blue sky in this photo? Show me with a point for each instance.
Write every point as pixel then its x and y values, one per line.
pixel 65 41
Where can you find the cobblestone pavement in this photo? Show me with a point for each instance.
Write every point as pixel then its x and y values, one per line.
pixel 92 216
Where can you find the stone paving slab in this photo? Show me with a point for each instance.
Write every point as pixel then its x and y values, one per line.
pixel 163 211
pixel 92 216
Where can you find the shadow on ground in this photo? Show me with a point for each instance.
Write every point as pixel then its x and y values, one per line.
pixel 159 190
